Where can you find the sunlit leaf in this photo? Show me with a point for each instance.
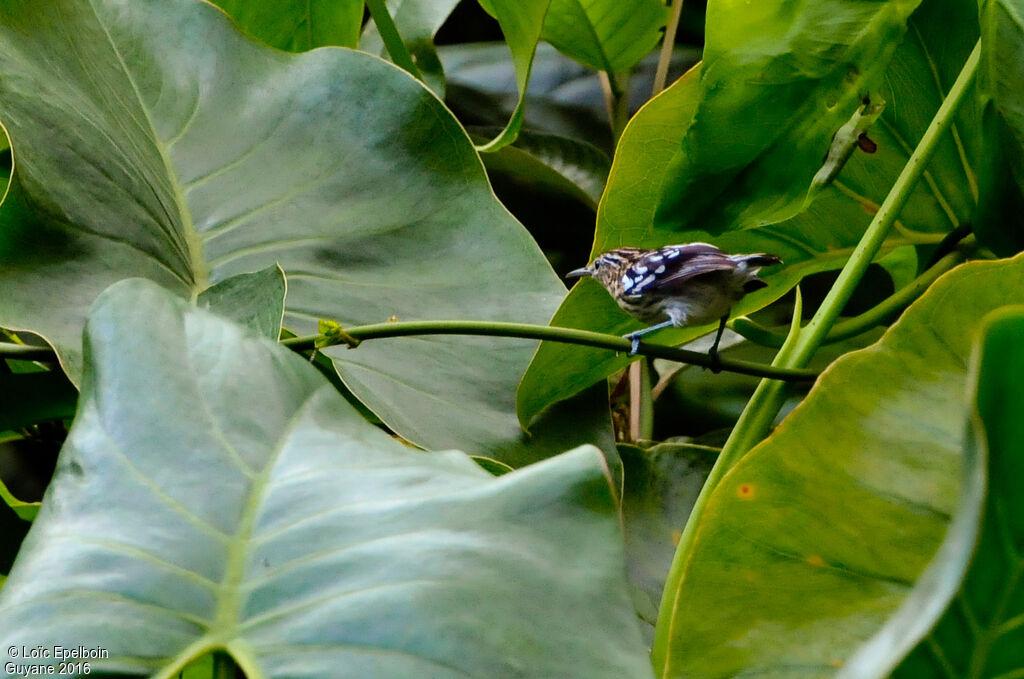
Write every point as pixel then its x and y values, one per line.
pixel 818 239
pixel 298 25
pixel 819 534
pixel 775 85
pixel 948 625
pixel 606 35
pixel 521 21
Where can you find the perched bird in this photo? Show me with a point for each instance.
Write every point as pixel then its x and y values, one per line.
pixel 677 285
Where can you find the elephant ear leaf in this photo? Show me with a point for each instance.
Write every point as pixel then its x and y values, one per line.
pixel 606 35
pixel 973 583
pixel 775 90
pixel 298 26
pixel 215 493
pixel 153 139
pixel 521 21
pixel 762 206
pixel 845 505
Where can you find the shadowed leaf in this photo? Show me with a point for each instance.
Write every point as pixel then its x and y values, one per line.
pixel 187 154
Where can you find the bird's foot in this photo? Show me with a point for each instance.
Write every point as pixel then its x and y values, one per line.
pixel 634 343
pixel 716 361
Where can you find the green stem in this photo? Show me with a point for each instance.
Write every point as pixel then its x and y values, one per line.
pixel 492 329
pixel 546 332
pixel 768 398
pixel 616 100
pixel 851 327
pixel 26 352
pixel 393 42
pixel 772 397
pixel 665 57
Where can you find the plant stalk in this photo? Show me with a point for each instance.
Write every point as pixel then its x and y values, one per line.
pixel 767 402
pixel 667 45
pixel 493 329
pixel 641 402
pixel 545 332
pixel 769 396
pixel 616 100
pixel 876 315
pixel 393 42
pixel 26 352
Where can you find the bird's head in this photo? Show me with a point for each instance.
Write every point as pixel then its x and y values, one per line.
pixel 608 268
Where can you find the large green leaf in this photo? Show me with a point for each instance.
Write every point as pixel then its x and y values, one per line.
pixel 955 627
pixel 255 300
pixel 186 154
pixel 778 79
pixel 298 25
pixel 606 35
pixel 1003 59
pixel 818 534
pixel 1002 177
pixel 216 493
pixel 521 22
pixel 818 239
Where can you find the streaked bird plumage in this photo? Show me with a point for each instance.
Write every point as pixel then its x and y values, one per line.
pixel 677 285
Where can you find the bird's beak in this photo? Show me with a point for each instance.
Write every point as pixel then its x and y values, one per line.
pixel 577 273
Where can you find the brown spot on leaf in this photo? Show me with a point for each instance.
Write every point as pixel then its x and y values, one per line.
pixel 745 491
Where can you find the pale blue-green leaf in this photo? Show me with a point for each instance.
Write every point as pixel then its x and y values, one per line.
pixel 188 154
pixel 216 493
pixel 254 300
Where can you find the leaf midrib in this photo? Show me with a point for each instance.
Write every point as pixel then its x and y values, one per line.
pixel 200 274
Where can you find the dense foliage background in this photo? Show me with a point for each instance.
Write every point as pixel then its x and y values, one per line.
pixel 267 267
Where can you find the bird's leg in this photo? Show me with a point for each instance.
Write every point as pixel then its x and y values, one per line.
pixel 716 358
pixel 635 336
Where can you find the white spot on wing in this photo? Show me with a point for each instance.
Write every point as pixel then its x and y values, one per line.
pixel 655 258
pixel 643 282
pixel 627 282
pixel 660 269
pixel 671 254
pixel 640 269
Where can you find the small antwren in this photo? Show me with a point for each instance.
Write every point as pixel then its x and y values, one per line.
pixel 677 285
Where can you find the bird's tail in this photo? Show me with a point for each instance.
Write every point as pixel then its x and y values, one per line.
pixel 761 259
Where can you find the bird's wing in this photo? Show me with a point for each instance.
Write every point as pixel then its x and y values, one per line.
pixel 665 269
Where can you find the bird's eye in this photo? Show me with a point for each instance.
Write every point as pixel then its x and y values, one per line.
pixel 597 263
